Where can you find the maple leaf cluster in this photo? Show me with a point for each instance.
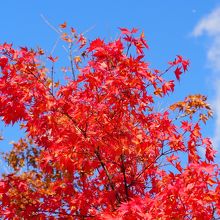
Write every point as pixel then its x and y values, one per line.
pixel 96 146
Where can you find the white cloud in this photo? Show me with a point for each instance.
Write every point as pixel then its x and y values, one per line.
pixel 210 26
pixel 213 54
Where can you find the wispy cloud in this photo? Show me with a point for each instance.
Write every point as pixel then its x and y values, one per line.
pixel 210 26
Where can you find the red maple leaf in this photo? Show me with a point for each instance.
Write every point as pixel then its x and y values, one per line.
pixel 53 59
pixel 3 62
pixel 168 86
pixel 95 44
pixel 178 72
pixel 125 31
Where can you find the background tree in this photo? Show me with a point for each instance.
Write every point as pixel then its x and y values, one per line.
pixel 96 146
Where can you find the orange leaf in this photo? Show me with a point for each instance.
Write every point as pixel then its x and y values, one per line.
pixel 63 25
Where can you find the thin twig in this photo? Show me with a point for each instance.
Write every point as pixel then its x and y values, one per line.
pixel 71 61
pixel 52 78
pixel 89 29
pixel 49 24
pixel 55 45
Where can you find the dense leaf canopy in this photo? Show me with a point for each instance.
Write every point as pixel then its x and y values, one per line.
pixel 96 145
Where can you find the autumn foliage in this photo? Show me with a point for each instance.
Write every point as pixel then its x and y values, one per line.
pixel 96 144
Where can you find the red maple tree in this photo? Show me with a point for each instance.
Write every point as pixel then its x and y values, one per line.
pixel 96 145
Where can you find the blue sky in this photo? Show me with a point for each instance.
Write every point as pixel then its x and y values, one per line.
pixel 186 27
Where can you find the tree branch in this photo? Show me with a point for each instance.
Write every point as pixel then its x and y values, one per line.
pixel 107 174
pixel 123 170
